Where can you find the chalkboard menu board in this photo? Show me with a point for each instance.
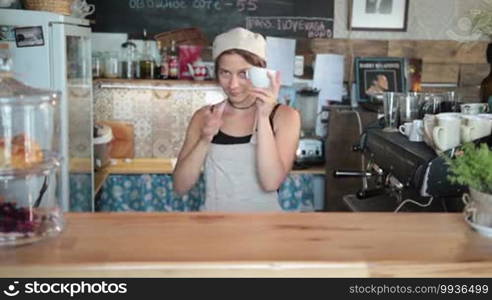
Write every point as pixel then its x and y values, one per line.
pixel 281 18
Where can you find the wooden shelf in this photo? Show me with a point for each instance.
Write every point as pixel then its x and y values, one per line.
pixel 314 170
pixel 166 166
pixel 154 82
pixel 80 165
pixel 141 166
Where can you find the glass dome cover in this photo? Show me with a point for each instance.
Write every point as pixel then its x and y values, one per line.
pixel 29 133
pixel 14 92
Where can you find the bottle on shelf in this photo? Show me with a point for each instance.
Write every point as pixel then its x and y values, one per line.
pixel 157 65
pixel 173 61
pixel 164 66
pixel 147 63
pixel 486 84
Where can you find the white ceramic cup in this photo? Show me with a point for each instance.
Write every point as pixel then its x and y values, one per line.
pixel 259 76
pixel 446 134
pixel 405 128
pixel 486 121
pixel 486 116
pixel 197 70
pixel 210 65
pixel 417 132
pixel 473 108
pixel 430 121
pixel 475 127
pixel 452 114
pixel 479 207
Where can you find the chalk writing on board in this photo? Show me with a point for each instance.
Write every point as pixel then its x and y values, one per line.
pixel 291 18
pixel 314 27
pixel 239 5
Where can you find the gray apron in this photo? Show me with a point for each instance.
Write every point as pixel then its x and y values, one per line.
pixel 231 180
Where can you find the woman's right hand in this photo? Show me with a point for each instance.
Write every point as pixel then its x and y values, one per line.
pixel 213 121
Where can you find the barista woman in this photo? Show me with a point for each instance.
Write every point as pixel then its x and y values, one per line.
pixel 246 144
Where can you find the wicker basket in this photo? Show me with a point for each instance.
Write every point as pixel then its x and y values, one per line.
pixel 184 36
pixel 63 7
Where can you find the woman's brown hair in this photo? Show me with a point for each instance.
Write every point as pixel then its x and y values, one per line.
pixel 251 58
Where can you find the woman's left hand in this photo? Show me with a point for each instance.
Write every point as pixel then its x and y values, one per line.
pixel 266 98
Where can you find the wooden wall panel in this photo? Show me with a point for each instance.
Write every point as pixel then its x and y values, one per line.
pixel 439 51
pixel 350 47
pixel 472 53
pixel 403 49
pixel 443 61
pixel 440 73
pixel 467 94
pixel 472 74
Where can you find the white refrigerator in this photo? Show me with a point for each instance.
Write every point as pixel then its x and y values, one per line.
pixel 53 51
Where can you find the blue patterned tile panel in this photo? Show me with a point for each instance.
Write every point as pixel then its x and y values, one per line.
pixel 296 193
pixel 80 192
pixel 154 192
pixel 147 192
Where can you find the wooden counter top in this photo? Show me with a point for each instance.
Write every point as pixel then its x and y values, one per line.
pixel 166 166
pixel 256 245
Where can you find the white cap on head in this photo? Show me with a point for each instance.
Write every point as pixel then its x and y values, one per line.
pixel 239 38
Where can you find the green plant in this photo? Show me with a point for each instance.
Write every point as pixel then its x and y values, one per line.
pixel 472 166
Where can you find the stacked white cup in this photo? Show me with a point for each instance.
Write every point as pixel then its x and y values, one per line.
pixel 446 134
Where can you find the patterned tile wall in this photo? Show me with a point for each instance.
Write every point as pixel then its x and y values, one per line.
pixel 159 117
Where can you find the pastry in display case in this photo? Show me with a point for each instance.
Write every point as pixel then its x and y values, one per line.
pixel 19 152
pixel 30 201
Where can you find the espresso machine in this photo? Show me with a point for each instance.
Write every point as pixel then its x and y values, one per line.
pixel 398 170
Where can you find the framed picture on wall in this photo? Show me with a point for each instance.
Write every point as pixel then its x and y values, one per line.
pixel 375 75
pixel 378 15
pixel 29 36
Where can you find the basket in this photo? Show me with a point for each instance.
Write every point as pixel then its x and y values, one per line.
pixel 184 36
pixel 63 7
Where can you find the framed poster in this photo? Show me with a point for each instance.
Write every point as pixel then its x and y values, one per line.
pixel 378 15
pixel 378 74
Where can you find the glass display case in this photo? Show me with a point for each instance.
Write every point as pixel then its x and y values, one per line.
pixel 61 61
pixel 30 186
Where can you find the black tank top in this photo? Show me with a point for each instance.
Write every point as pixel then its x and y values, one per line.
pixel 224 139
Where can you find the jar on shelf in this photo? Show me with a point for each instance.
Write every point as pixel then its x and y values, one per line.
pixel 97 65
pixel 111 65
pixel 30 203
